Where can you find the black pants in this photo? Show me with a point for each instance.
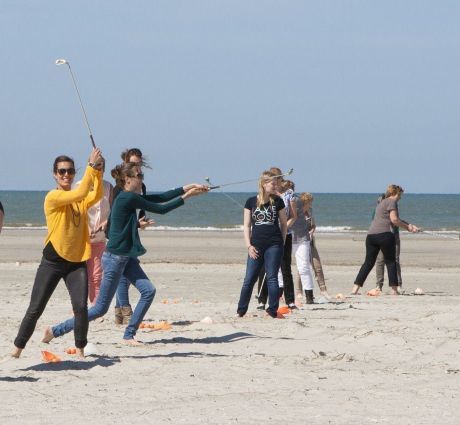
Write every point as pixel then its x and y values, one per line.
pixel 48 275
pixel 386 243
pixel 289 296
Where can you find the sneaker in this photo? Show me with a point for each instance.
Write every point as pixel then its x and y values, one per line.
pixel 292 306
pixel 261 306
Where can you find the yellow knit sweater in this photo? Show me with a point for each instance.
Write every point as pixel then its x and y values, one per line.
pixel 66 216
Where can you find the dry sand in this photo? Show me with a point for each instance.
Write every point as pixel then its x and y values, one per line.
pixel 363 360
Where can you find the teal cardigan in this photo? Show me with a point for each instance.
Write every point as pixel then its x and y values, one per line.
pixel 123 233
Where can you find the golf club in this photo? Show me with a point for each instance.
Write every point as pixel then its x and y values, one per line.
pixel 66 62
pixel 250 180
pixel 261 286
pixel 223 193
pixel 440 235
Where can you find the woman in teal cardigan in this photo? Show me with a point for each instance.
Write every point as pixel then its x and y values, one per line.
pixel 124 246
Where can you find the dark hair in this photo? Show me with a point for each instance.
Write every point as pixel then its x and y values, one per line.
pixel 128 153
pixel 62 158
pixel 123 170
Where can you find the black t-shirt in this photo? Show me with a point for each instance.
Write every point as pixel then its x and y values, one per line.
pixel 265 229
pixel 1 208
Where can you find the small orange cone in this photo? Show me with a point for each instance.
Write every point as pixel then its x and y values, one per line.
pixel 284 310
pixel 49 357
pixel 161 326
pixel 279 315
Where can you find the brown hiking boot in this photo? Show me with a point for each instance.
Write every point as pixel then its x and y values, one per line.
pixel 118 316
pixel 126 312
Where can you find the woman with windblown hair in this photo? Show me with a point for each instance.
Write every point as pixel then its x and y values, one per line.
pixel 124 246
pixel 264 234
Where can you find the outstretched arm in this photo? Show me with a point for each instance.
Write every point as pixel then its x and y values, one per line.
pixel 396 221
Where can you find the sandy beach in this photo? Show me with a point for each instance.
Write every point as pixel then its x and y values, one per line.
pixel 361 360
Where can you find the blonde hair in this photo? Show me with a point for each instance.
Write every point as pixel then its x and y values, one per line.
pixel 265 177
pixel 306 197
pixel 393 189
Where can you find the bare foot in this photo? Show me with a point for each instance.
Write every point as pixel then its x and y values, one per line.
pixel 48 335
pixel 80 354
pixel 132 342
pixel 395 290
pixel 16 352
pixel 325 294
pixel 355 290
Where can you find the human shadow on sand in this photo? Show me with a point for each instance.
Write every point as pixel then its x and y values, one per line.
pixel 18 379
pixel 193 354
pixel 86 364
pixel 224 339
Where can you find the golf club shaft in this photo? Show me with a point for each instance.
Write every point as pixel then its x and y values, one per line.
pixel 440 235
pixel 81 106
pixel 250 180
pixel 223 193
pixel 262 286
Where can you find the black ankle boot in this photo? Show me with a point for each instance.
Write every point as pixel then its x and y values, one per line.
pixel 309 296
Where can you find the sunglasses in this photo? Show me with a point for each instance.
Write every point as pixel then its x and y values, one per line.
pixel 139 176
pixel 64 171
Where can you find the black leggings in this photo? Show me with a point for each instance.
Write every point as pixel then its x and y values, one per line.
pixel 386 243
pixel 48 275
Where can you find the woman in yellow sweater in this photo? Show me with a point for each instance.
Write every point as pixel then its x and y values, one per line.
pixel 67 247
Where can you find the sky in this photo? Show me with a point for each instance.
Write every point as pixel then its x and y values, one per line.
pixel 354 95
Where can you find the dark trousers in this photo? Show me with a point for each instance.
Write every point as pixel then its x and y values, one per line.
pixel 289 296
pixel 48 275
pixel 386 243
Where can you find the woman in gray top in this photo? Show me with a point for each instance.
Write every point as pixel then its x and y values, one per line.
pixel 380 237
pixel 301 250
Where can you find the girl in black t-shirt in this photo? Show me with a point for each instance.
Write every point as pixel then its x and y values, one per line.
pixel 264 233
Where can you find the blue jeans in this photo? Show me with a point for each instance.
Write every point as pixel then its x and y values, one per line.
pixel 122 297
pixel 269 256
pixel 116 266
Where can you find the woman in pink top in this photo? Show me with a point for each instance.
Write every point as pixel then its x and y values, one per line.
pixel 98 216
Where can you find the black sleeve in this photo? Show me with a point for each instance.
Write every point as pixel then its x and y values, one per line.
pixel 249 204
pixel 142 212
pixel 280 204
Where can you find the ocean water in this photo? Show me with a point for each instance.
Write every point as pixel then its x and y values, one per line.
pixel 334 212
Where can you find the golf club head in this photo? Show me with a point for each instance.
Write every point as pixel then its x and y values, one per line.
pixel 61 62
